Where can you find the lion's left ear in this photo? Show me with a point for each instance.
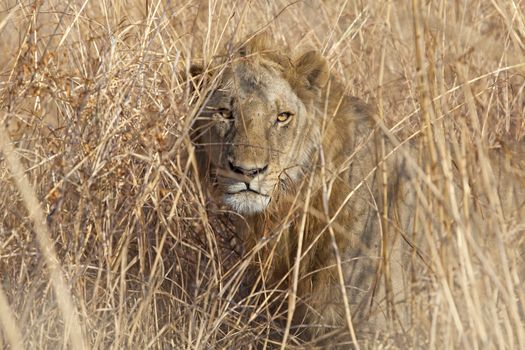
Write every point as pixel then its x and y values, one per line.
pixel 313 67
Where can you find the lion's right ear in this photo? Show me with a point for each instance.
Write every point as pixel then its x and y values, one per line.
pixel 196 70
pixel 195 77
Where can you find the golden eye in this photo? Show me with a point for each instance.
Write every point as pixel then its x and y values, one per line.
pixel 223 114
pixel 284 117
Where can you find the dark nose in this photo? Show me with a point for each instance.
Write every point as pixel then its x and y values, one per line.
pixel 251 172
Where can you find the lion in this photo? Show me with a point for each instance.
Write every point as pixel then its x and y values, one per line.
pixel 300 163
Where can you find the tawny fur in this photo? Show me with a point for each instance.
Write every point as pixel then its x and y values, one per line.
pixel 330 149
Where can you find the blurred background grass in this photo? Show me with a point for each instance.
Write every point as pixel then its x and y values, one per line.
pixel 108 240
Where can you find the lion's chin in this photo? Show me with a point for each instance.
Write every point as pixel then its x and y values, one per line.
pixel 246 202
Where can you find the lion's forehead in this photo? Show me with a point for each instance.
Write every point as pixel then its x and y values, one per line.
pixel 258 82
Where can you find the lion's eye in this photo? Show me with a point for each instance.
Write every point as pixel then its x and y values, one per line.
pixel 223 113
pixel 284 117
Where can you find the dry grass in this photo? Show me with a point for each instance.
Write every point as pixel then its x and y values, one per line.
pixel 107 239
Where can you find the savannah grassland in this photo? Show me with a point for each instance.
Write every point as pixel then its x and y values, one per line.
pixel 107 238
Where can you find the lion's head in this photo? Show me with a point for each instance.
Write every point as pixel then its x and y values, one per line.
pixel 260 123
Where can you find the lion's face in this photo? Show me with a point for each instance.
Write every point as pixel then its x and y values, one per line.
pixel 257 133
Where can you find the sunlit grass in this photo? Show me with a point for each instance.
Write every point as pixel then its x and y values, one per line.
pixel 96 115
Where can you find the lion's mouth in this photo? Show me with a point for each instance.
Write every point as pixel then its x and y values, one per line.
pixel 247 190
pixel 241 198
pixel 239 187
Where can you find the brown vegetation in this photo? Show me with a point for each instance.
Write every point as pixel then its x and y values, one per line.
pixel 107 239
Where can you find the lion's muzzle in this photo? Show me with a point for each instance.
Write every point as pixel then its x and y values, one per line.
pixel 246 191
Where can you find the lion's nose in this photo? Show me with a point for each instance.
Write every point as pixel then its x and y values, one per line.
pixel 250 171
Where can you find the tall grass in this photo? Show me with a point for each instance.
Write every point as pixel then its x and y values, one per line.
pixel 107 238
